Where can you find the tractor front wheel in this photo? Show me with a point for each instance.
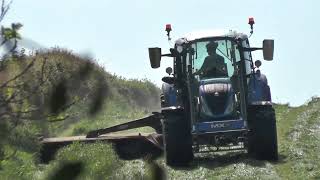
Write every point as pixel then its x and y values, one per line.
pixel 263 133
pixel 177 140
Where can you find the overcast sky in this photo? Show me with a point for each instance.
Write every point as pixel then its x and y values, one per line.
pixel 118 33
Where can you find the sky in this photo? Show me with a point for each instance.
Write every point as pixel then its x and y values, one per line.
pixel 118 33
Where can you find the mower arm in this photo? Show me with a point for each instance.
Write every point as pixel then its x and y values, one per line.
pixel 151 121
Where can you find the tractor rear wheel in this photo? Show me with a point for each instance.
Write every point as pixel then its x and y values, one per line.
pixel 263 133
pixel 177 140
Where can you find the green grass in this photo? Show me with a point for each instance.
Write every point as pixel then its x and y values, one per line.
pixel 299 138
pixel 20 166
pixel 98 161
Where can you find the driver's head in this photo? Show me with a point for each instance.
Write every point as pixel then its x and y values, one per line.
pixel 211 47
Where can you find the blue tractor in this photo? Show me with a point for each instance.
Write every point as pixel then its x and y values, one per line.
pixel 216 99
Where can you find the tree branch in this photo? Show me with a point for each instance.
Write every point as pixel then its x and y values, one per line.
pixel 19 75
pixel 4 9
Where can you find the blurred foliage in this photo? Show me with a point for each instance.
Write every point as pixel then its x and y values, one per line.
pixel 11 32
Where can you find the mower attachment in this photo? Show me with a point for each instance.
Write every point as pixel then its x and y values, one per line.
pixel 127 146
pixel 151 121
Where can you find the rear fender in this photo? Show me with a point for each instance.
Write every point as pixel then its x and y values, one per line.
pixel 169 95
pixel 259 90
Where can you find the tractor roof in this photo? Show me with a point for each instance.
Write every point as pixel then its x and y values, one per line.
pixel 209 34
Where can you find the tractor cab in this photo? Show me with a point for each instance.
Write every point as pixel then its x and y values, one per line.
pixel 210 65
pixel 213 64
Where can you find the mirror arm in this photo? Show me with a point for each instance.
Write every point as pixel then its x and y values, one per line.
pixel 167 55
pixel 250 49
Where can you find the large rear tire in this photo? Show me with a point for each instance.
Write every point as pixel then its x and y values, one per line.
pixel 177 139
pixel 262 140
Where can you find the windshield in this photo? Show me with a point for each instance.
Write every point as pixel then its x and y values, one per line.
pixel 214 58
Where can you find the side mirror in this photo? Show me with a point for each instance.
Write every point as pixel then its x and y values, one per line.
pixel 155 57
pixel 268 47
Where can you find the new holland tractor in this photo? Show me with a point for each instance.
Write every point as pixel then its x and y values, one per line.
pixel 215 98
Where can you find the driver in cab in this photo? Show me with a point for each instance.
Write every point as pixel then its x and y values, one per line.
pixel 213 65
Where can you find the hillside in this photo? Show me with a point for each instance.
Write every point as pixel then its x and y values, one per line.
pixel 123 99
